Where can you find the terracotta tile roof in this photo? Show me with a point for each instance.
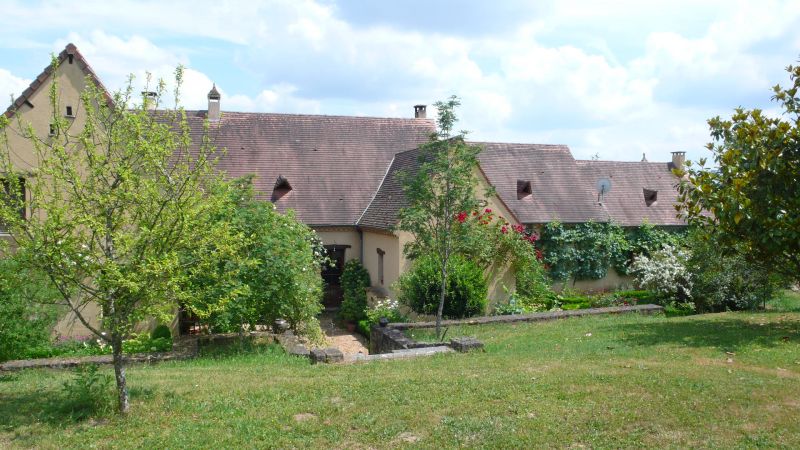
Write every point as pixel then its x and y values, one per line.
pixel 389 199
pixel 558 188
pixel 561 188
pixel 334 164
pixel 76 58
pixel 625 203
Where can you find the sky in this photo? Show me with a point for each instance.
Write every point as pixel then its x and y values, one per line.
pixel 608 79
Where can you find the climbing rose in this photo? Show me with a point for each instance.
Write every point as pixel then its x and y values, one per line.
pixel 504 230
pixel 462 216
pixel 487 210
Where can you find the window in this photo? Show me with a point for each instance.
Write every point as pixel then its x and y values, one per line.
pixel 380 264
pixel 523 189
pixel 282 187
pixel 14 194
pixel 52 129
pixel 69 111
pixel 650 196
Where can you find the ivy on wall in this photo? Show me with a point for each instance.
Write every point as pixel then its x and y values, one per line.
pixel 585 251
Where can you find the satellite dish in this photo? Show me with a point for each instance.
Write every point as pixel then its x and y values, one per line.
pixel 603 188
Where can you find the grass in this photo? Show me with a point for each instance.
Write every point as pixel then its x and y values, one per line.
pixel 722 380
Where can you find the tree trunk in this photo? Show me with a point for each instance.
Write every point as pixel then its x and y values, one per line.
pixel 441 299
pixel 119 373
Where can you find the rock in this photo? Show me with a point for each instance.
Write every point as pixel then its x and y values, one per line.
pixel 465 344
pixel 327 355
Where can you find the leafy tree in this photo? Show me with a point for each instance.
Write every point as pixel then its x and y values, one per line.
pixel 114 205
pixel 278 269
pixel 752 197
pixel 442 187
pixel 355 281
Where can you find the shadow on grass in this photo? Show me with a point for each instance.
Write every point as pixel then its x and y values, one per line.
pixel 727 333
pixel 55 407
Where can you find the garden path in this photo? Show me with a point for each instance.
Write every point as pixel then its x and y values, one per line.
pixel 350 344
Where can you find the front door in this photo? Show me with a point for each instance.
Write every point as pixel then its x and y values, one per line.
pixel 332 276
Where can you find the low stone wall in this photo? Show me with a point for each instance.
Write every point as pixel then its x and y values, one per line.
pixel 389 338
pixel 535 317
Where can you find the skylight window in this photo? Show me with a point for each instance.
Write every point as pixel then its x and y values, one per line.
pixel 650 196
pixel 282 187
pixel 523 189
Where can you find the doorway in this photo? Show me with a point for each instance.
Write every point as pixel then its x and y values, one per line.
pixel 332 276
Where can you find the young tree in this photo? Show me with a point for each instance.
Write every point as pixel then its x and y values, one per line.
pixel 439 195
pixel 752 199
pixel 112 207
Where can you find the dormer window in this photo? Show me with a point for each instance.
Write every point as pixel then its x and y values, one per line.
pixel 523 189
pixel 69 112
pixel 650 196
pixel 282 187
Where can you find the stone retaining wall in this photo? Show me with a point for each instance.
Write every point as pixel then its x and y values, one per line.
pixel 535 317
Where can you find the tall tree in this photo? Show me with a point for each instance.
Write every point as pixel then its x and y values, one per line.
pixel 112 208
pixel 440 194
pixel 752 198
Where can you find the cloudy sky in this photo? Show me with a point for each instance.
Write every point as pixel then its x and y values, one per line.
pixel 610 78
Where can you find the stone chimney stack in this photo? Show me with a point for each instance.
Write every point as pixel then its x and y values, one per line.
pixel 419 112
pixel 213 104
pixel 678 159
pixel 150 100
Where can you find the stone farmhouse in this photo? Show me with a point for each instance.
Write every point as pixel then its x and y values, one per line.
pixel 338 174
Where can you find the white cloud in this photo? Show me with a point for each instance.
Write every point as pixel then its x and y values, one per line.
pixel 11 86
pixel 615 78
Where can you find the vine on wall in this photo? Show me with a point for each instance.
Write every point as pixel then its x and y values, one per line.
pixel 585 251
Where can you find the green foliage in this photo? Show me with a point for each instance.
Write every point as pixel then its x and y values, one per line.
pixel 582 251
pixel 465 293
pixel 442 186
pixel 355 281
pixel 727 281
pixel 161 331
pixel 87 394
pixel 27 314
pixel 753 193
pixel 121 208
pixel 277 269
pixel 585 251
pixel 143 343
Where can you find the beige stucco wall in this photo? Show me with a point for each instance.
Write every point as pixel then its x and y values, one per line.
pixel 342 236
pixel 71 82
pixel 392 258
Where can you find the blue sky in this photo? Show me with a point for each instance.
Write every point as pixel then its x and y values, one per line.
pixel 616 79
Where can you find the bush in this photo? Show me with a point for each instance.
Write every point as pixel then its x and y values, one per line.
pixel 665 273
pixel 161 331
pixel 727 281
pixel 465 291
pixel 88 393
pixel 143 343
pixel 355 281
pixel 27 316
pixel 280 277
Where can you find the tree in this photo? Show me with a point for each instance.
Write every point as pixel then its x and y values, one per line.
pixel 113 205
pixel 439 194
pixel 279 271
pixel 752 197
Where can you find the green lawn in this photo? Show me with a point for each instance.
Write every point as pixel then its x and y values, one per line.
pixel 621 381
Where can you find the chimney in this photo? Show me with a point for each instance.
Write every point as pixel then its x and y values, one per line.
pixel 644 157
pixel 213 104
pixel 678 158
pixel 150 100
pixel 419 111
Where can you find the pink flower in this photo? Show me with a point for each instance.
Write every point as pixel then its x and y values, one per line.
pixel 487 211
pixel 461 217
pixel 504 230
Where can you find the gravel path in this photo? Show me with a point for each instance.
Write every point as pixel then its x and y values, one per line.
pixel 349 343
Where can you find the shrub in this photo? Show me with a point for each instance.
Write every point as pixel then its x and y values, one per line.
pixel 465 294
pixel 161 331
pixel 727 281
pixel 88 393
pixel 665 273
pixel 26 318
pixel 143 343
pixel 280 278
pixel 355 281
